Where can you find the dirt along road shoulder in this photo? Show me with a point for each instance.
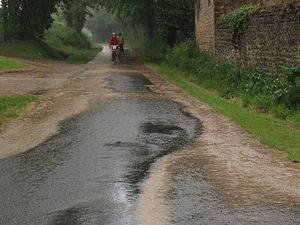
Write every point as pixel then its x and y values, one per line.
pixel 64 90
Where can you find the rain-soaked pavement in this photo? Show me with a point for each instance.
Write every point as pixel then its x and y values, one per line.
pixel 93 170
pixel 90 172
pixel 196 200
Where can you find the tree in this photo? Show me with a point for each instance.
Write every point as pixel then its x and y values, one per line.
pixel 4 19
pixel 164 18
pixel 76 11
pixel 26 19
pixel 168 19
pixel 174 20
pixel 132 12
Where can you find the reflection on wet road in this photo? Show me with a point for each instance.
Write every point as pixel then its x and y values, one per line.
pixel 91 171
pixel 195 200
pixel 130 82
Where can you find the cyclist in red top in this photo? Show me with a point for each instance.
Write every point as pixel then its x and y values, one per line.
pixel 114 41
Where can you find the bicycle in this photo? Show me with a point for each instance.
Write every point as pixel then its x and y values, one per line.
pixel 115 53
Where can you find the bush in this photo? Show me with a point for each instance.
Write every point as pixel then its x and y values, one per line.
pixel 279 96
pixel 73 46
pixel 152 49
pixel 66 36
pixel 238 22
pixel 288 92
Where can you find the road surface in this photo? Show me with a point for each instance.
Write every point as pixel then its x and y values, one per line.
pixel 141 152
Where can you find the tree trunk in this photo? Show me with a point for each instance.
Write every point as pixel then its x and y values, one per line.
pixel 68 15
pixel 5 19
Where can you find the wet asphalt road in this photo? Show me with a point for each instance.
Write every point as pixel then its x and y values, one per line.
pixel 91 171
pixel 196 200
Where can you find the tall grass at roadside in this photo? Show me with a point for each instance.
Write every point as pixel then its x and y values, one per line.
pixel 270 131
pixel 73 46
pixel 65 36
pixel 7 64
pixel 35 50
pixel 279 96
pixel 11 107
pixel 61 43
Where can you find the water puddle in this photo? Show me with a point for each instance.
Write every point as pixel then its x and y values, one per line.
pixel 91 171
pixel 151 128
pixel 130 82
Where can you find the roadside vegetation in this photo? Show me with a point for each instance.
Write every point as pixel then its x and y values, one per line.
pixel 267 107
pixel 60 43
pixel 74 47
pixel 275 133
pixel 7 64
pixel 35 50
pixel 50 29
pixel 238 22
pixel 11 107
pixel 35 31
pixel 279 96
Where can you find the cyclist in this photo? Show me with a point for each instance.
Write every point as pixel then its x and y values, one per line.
pixel 114 41
pixel 121 40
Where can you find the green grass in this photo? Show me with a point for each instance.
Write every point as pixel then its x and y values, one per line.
pixel 61 43
pixel 277 94
pixel 76 47
pixel 81 56
pixel 275 133
pixel 75 55
pixel 7 64
pixel 29 50
pixel 11 107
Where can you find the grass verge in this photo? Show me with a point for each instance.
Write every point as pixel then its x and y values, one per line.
pixel 35 50
pixel 75 47
pixel 7 64
pixel 11 107
pixel 268 130
pixel 61 43
pixel 75 55
pixel 52 51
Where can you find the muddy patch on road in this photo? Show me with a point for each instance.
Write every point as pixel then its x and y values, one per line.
pixel 130 82
pixel 39 92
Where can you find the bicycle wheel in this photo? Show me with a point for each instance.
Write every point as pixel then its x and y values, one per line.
pixel 114 56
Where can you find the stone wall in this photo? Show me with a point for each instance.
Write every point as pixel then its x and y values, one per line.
pixel 205 31
pixel 272 40
pixel 225 6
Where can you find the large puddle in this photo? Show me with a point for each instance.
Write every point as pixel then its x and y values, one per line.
pixel 91 171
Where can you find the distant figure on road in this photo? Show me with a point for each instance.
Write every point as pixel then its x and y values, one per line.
pixel 115 43
pixel 121 40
